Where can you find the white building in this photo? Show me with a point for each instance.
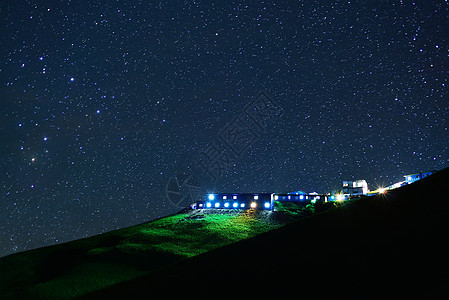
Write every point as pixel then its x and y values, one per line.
pixel 355 188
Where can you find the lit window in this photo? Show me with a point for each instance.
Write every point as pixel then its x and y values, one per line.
pixel 208 204
pixel 217 204
pixel 234 197
pixel 201 205
pixel 256 197
pixel 226 204
pixel 253 204
pixel 225 197
pixel 289 197
pixel 301 197
pixel 211 197
pixel 235 204
pixel 276 197
pixel 242 205
pixel 267 205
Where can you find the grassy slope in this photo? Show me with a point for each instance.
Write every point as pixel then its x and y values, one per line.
pixel 75 268
pixel 383 246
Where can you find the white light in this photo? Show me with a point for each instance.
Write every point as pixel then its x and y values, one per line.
pixel 242 205
pixel 211 196
pixel 217 204
pixel 201 205
pixel 276 197
pixel 267 205
pixel 225 197
pixel 226 204
pixel 208 204
pixel 72 79
pixel 253 204
pixel 382 191
pixel 340 197
pixel 256 197
pixel 235 204
pixel 234 197
pixel 301 197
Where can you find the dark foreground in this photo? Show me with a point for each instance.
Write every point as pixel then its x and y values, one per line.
pixel 380 247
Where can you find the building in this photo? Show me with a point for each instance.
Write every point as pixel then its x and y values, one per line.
pixel 417 176
pixel 262 201
pixel 300 197
pixel 355 188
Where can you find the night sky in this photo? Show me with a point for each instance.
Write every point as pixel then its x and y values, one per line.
pixel 104 102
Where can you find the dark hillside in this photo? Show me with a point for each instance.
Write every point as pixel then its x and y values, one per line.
pixel 388 245
pixel 79 267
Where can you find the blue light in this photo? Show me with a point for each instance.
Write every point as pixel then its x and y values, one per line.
pixel 211 196
pixel 267 205
pixel 208 204
pixel 235 204
pixel 226 204
pixel 217 204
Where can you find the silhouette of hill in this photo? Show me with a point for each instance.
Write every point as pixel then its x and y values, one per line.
pixel 82 266
pixel 392 245
pixel 375 247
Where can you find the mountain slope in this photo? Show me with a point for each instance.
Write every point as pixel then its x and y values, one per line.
pixel 392 245
pixel 79 267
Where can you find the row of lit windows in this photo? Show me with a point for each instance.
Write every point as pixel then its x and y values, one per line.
pixel 234 205
pixel 211 197
pixel 301 197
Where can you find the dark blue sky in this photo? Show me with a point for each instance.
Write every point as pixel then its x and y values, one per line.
pixel 103 102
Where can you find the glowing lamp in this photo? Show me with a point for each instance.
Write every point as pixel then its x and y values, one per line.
pixel 235 204
pixel 253 205
pixel 217 204
pixel 267 205
pixel 211 196
pixel 208 204
pixel 226 204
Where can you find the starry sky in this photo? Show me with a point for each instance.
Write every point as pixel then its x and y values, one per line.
pixel 105 103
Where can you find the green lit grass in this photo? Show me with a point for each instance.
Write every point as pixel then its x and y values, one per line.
pixel 76 268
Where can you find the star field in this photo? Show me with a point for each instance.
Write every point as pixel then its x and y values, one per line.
pixel 102 102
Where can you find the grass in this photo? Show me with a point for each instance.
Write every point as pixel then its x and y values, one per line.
pixel 385 246
pixel 76 268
